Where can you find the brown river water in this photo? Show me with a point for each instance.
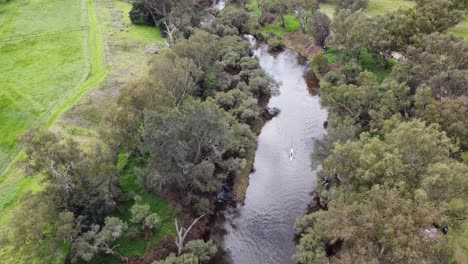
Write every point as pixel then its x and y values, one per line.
pixel 262 229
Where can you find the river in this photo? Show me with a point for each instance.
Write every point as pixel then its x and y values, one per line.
pixel 262 230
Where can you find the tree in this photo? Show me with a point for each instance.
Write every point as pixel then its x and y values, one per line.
pixel 436 16
pixel 437 62
pixel 451 115
pixel 182 259
pixel 320 27
pixel 175 15
pixel 179 76
pixel 186 144
pixel 401 161
pixel 139 15
pixel 444 182
pixel 350 71
pixel 126 119
pixel 397 30
pixel 26 226
pixel 339 130
pixel 302 9
pixel 83 183
pixel 351 100
pixel 158 9
pixel 350 31
pixel 235 17
pixel 182 234
pixel 353 5
pixel 280 7
pixel 383 228
pixel 99 240
pixel 396 100
pixel 141 214
pixel 240 104
pixel 204 251
pixel 200 47
pixel 460 4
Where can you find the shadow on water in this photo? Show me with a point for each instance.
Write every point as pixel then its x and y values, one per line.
pixel 262 229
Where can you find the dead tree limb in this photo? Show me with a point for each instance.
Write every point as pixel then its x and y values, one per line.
pixel 182 234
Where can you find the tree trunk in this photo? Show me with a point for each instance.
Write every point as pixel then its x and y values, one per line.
pixel 182 234
pixel 385 60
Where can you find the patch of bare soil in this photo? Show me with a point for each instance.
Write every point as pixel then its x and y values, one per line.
pixel 301 43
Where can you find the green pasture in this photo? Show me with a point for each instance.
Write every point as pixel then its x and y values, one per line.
pixel 42 59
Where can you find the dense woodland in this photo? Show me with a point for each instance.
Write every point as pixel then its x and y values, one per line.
pixel 391 165
pixel 392 161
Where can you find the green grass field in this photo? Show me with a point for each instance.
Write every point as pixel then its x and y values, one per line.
pixel 42 60
pixel 52 73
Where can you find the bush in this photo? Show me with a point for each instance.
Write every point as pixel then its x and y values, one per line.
pixel 319 64
pixel 275 43
pixel 201 206
pixel 351 71
pixel 139 16
pixel 204 251
pixel 333 77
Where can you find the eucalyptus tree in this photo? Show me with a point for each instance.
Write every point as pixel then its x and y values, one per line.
pixel 99 240
pixel 178 75
pixel 187 144
pixel 438 62
pixel 395 31
pixel 303 9
pixel 320 27
pixel 381 228
pixel 83 183
pixel 350 30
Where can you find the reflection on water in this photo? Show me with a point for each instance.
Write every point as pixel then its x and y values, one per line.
pixel 262 230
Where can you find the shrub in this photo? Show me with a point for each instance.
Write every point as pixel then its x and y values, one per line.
pixel 319 64
pixel 138 15
pixel 351 71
